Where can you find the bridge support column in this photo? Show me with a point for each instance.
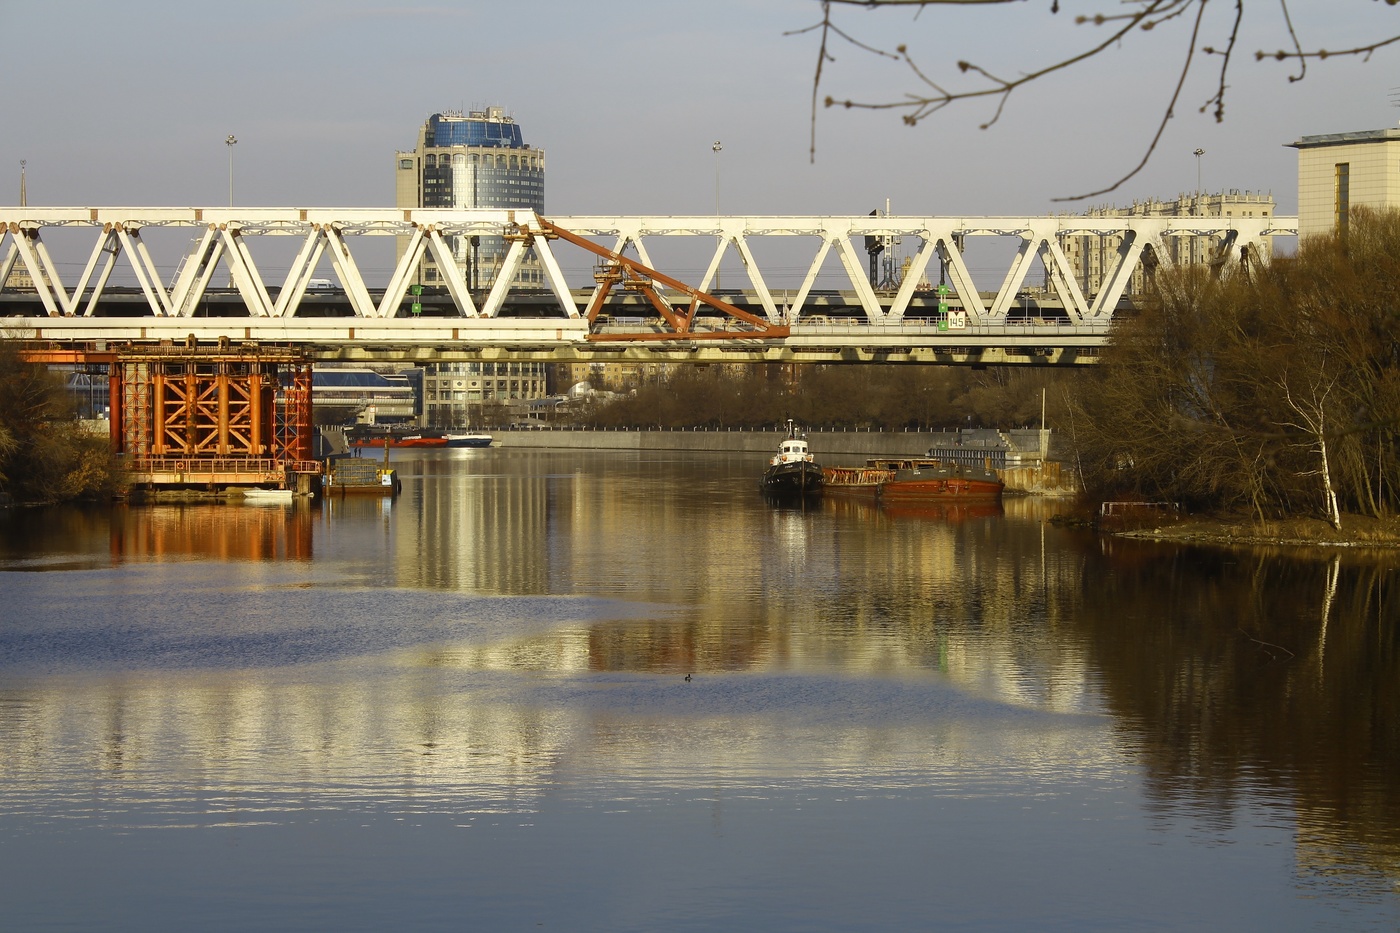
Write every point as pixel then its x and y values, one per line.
pixel 213 416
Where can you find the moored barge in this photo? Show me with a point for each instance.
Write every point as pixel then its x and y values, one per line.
pixel 913 479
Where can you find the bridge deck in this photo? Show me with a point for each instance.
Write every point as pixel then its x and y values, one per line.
pixel 121 295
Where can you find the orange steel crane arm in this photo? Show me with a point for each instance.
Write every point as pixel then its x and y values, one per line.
pixel 637 276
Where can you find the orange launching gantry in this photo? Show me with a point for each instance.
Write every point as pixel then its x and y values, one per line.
pixel 214 416
pixel 207 416
pixel 619 270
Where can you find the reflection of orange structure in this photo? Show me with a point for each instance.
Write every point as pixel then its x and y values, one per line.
pixel 943 511
pixel 218 531
pixel 946 512
pixel 213 416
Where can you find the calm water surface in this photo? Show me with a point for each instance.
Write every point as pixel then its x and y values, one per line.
pixel 468 709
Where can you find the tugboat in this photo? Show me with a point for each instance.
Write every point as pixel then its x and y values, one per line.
pixel 792 473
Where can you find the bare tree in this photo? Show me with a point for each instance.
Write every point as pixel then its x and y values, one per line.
pixel 1311 409
pixel 1118 25
pixel 1258 391
pixel 1166 414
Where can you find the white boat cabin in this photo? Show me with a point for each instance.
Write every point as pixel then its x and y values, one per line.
pixel 792 450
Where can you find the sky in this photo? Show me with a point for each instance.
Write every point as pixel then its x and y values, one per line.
pixel 127 104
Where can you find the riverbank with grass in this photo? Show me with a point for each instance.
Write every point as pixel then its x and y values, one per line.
pixel 1357 531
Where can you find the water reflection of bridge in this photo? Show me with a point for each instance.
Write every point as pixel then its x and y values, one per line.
pixel 824 308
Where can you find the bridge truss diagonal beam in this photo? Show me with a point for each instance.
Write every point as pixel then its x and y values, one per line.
pixel 222 239
pixel 635 274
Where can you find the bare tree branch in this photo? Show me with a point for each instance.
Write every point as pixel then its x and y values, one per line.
pixel 1362 50
pixel 1161 126
pixel 1297 46
pixel 1143 15
pixel 1219 98
pixel 827 28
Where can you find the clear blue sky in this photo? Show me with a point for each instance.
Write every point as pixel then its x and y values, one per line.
pixel 129 103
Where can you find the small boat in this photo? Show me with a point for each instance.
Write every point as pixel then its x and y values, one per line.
pixel 261 496
pixel 347 475
pixel 792 473
pixel 913 479
pixel 468 440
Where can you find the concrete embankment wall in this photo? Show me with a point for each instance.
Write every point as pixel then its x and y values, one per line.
pixel 832 448
pixel 1048 478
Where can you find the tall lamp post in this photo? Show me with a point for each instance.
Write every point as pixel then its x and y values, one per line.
pixel 230 142
pixel 1196 208
pixel 1198 153
pixel 717 148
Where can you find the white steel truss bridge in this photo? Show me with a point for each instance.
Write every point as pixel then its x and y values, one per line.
pixel 96 276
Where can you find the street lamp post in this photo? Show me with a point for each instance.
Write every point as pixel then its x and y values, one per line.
pixel 1198 153
pixel 230 142
pixel 1196 209
pixel 717 148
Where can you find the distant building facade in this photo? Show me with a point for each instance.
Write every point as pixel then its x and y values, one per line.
pixel 464 161
pixel 372 396
pixel 454 394
pixel 1093 257
pixel 1339 170
pixel 614 377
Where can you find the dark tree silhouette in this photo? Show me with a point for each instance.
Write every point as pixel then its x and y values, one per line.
pixel 1279 392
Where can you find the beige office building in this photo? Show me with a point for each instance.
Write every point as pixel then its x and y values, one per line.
pixel 1337 171
pixel 1092 258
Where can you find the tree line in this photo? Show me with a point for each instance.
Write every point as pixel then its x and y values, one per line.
pixel 1276 392
pixel 46 455
pixel 894 397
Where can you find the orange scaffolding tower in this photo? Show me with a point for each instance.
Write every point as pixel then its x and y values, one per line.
pixel 213 416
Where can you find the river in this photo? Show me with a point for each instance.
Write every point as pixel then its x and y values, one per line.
pixel 619 691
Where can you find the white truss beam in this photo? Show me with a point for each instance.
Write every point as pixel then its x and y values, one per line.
pixel 1116 282
pixel 348 272
pixel 10 259
pixel 447 265
pixel 558 284
pixel 24 240
pixel 313 247
pixel 223 235
pixel 515 256
pixel 856 272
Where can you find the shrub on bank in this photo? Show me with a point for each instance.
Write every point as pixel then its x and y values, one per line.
pixel 45 454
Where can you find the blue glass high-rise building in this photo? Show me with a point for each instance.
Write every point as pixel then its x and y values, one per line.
pixel 474 160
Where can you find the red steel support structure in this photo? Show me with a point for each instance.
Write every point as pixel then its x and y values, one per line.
pixel 208 416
